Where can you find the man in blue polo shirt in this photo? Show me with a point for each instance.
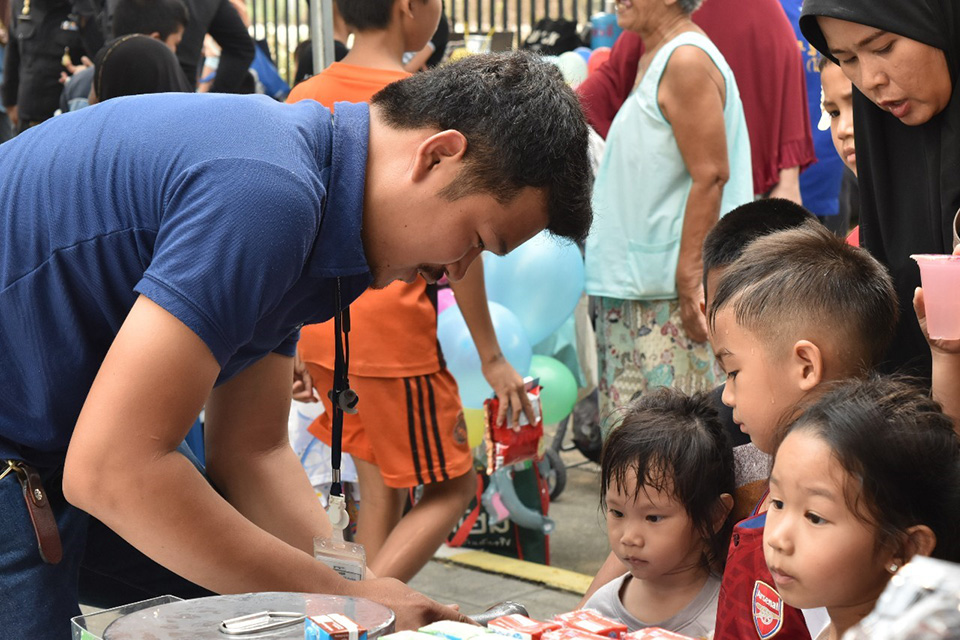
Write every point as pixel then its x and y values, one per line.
pixel 170 269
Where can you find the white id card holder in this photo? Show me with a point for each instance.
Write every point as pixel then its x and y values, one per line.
pixel 346 558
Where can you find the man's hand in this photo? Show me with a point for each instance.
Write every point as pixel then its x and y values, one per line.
pixel 508 385
pixel 413 609
pixel 13 115
pixel 303 390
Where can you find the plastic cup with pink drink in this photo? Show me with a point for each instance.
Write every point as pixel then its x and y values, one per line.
pixel 940 277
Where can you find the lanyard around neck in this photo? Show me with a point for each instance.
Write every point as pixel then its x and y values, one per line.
pixel 342 397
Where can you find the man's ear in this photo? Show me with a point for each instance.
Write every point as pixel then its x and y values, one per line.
pixel 155 35
pixel 441 152
pixel 808 364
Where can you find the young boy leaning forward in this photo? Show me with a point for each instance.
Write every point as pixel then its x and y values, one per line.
pixel 798 308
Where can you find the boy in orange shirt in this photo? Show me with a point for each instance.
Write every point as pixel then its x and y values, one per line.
pixel 409 429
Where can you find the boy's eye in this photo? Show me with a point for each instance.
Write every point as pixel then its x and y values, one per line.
pixel 732 375
pixel 614 513
pixel 654 519
pixel 834 113
pixel 776 504
pixel 815 519
pixel 848 61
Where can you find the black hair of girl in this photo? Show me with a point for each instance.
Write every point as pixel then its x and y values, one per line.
pixel 675 442
pixel 901 449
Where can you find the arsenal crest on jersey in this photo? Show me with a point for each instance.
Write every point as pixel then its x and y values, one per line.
pixel 767 610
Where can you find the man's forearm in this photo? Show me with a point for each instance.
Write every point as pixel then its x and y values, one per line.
pixel 273 491
pixel 167 510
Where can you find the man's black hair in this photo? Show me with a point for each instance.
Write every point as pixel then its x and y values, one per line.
pixel 524 128
pixel 149 16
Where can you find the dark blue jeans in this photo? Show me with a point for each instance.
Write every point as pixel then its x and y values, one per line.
pixel 98 568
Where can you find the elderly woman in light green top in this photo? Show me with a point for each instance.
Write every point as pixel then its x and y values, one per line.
pixel 677 157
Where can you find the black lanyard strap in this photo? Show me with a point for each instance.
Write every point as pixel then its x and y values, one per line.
pixel 342 397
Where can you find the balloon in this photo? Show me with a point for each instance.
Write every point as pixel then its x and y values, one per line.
pixel 474 420
pixel 462 358
pixel 445 300
pixel 584 53
pixel 597 58
pixel 573 67
pixel 540 281
pixel 559 392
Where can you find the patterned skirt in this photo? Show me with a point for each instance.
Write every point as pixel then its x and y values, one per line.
pixel 642 346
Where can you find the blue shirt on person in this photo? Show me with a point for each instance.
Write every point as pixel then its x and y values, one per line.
pixel 235 214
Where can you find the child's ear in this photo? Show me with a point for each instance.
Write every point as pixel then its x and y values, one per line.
pixel 919 541
pixel 722 510
pixel 808 361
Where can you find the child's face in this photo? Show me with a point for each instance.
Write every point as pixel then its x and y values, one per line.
pixel 653 536
pixel 838 104
pixel 819 552
pixel 759 387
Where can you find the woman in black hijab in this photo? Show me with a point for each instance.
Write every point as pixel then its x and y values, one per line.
pixel 903 57
pixel 136 64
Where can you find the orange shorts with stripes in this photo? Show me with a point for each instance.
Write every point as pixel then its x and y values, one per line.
pixel 411 428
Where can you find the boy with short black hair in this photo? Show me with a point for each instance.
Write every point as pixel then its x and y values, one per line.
pixel 798 308
pixel 732 234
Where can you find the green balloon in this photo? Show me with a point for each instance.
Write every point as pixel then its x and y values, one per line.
pixel 559 392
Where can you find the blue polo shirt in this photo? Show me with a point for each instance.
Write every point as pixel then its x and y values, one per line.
pixel 235 214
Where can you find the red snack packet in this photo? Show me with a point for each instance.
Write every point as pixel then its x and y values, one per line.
pixel 521 627
pixel 591 622
pixel 506 443
pixel 566 633
pixel 655 633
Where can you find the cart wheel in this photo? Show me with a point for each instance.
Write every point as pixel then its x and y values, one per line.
pixel 556 477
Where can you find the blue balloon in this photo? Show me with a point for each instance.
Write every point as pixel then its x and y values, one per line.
pixel 462 358
pixel 540 282
pixel 584 52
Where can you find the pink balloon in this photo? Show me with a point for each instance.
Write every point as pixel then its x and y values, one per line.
pixel 445 299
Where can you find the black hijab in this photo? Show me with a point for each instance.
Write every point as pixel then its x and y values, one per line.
pixel 136 64
pixel 909 175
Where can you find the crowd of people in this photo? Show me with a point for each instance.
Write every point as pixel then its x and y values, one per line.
pixel 768 465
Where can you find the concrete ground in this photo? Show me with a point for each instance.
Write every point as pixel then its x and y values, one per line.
pixel 578 547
